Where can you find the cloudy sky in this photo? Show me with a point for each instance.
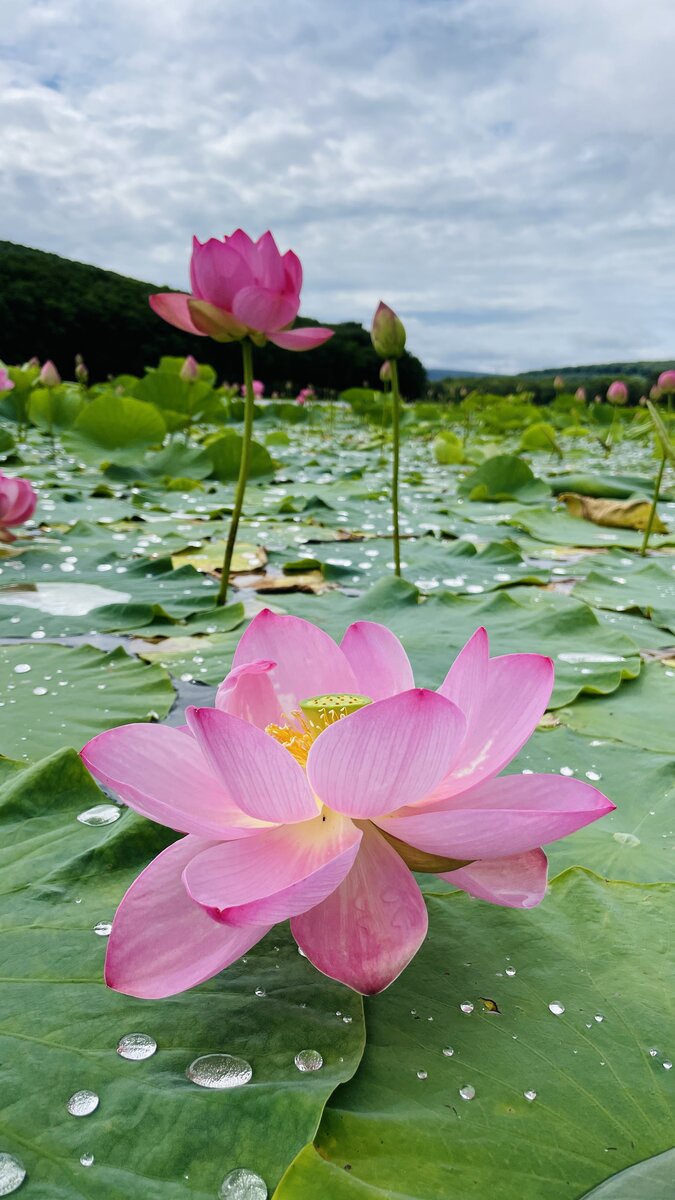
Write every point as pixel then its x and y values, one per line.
pixel 501 171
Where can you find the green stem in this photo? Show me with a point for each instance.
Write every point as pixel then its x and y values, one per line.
pixel 247 356
pixel 652 511
pixel 395 408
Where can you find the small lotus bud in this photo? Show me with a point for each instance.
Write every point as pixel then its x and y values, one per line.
pixel 387 332
pixel 32 362
pixel 666 382
pixel 49 376
pixel 617 392
pixel 580 394
pixel 558 383
pixel 385 370
pixel 655 393
pixel 643 401
pixel 81 369
pixel 189 370
pixel 258 389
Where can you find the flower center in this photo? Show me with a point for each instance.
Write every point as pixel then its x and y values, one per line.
pixel 314 715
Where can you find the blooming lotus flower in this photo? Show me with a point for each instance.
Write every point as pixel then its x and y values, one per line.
pixel 49 376
pixel 241 288
pixel 6 384
pixel 320 781
pixel 617 392
pixel 17 503
pixel 258 389
pixel 666 381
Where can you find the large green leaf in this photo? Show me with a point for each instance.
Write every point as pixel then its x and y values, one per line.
pixel 401 1128
pixel 117 427
pixel 620 584
pixel 154 1135
pixel 640 713
pixel 504 477
pixel 225 455
pixel 57 696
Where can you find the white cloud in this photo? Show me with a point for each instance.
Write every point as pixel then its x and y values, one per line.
pixel 501 171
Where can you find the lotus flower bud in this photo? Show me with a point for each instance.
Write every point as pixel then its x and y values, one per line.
pixel 558 383
pixel 385 371
pixel 81 369
pixel 189 370
pixel 6 384
pixel 387 332
pixel 617 392
pixel 49 376
pixel 32 362
pixel 580 394
pixel 258 389
pixel 655 393
pixel 666 382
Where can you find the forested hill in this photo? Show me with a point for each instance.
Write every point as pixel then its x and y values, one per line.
pixel 55 308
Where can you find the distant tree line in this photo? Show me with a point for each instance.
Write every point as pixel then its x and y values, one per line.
pixel 54 308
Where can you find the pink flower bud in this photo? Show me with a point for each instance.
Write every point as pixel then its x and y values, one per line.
pixel 580 394
pixel 387 332
pixel 6 384
pixel 558 383
pixel 666 382
pixel 655 393
pixel 49 376
pixel 189 370
pixel 385 370
pixel 617 392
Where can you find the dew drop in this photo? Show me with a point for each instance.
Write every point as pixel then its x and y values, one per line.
pixel 567 771
pixel 219 1071
pixel 12 1174
pixel 530 1095
pixel 421 1074
pixel 510 971
pixel 448 1051
pixel 136 1046
pixel 598 1017
pixel 100 814
pixel 308 1060
pixel 82 1104
pixel 21 668
pixel 103 928
pixel 653 1052
pixel 556 1008
pixel 626 839
pixel 593 775
pixel 260 991
pixel 243 1184
pixel 667 1065
pixel 466 1007
pixel 467 1092
pixel 39 691
pixel 87 1160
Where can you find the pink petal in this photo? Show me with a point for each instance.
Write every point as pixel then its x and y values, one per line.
pixel 513 701
pixel 248 692
pixel 391 753
pixel 261 777
pixel 246 248
pixel 378 659
pixel 502 817
pixel 369 928
pixel 306 338
pixel 162 942
pixel 173 307
pixel 293 271
pixel 466 681
pixel 162 774
pixel 283 872
pixel 264 310
pixel 515 882
pixel 217 272
pixel 270 271
pixel 308 662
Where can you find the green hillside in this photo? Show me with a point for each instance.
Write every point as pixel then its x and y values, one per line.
pixel 55 308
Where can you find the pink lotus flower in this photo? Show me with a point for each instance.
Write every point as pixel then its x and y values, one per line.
pixel 17 503
pixel 318 810
pixel 666 381
pixel 6 383
pixel 580 394
pixel 189 370
pixel 49 376
pixel 617 392
pixel 258 389
pixel 305 394
pixel 241 288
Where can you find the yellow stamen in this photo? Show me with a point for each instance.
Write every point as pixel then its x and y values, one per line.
pixel 313 716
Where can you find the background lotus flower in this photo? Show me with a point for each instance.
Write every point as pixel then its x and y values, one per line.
pixel 239 288
pixel 666 381
pixel 49 376
pixel 558 383
pixel 387 334
pixel 322 778
pixel 6 383
pixel 617 392
pixel 17 503
pixel 580 394
pixel 189 370
pixel 258 389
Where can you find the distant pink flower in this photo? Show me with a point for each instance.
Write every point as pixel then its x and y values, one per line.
pixel 6 383
pixel 319 810
pixel 258 389
pixel 241 287
pixel 666 381
pixel 617 392
pixel 49 376
pixel 305 394
pixel 580 394
pixel 189 370
pixel 17 503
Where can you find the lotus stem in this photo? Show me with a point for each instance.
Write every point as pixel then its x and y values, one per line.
pixel 249 399
pixel 652 511
pixel 396 435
